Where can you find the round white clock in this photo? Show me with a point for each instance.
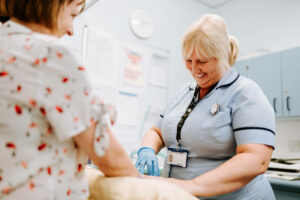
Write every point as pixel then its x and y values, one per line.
pixel 141 24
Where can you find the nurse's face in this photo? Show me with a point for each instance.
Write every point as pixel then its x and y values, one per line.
pixel 206 71
pixel 66 16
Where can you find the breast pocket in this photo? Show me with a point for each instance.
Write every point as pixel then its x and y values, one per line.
pixel 218 126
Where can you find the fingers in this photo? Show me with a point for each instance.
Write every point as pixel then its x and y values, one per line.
pixel 142 166
pixel 155 168
pixel 150 167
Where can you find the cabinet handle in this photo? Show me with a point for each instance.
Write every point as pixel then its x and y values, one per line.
pixel 288 103
pixel 274 105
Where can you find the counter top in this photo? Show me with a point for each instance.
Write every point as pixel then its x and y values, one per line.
pixel 279 184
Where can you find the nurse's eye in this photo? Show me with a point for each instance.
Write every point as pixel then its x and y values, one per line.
pixel 201 61
pixel 188 61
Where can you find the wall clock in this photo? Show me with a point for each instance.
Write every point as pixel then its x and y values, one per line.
pixel 141 24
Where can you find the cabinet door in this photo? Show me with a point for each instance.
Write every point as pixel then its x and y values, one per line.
pixel 291 83
pixel 266 72
pixel 242 67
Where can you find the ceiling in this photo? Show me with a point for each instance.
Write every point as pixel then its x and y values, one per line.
pixel 213 3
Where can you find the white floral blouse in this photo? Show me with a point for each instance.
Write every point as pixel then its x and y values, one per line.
pixel 45 100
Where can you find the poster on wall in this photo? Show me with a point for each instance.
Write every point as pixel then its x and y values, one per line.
pixel 134 69
pixel 101 57
pixel 158 70
pixel 127 107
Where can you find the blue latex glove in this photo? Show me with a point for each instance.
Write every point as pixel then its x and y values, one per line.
pixel 146 156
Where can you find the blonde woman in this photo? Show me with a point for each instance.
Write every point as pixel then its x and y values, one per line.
pixel 219 130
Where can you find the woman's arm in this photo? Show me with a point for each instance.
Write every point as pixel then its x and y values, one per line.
pixel 250 161
pixel 115 162
pixel 153 139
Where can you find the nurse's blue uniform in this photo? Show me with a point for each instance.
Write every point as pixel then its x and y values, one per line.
pixel 245 116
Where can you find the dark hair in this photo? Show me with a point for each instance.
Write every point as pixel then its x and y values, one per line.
pixel 38 11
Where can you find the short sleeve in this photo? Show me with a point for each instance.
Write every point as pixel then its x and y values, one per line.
pixel 253 118
pixel 68 101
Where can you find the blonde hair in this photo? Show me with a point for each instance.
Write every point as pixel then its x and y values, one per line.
pixel 209 37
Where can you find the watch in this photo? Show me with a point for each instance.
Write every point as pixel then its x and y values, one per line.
pixel 141 24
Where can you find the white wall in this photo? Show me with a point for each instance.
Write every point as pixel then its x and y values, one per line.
pixel 273 25
pixel 171 19
pixel 263 24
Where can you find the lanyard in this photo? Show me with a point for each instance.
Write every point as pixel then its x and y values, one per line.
pixel 188 111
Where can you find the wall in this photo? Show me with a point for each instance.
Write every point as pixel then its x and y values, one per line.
pixel 171 19
pixel 263 24
pixel 270 25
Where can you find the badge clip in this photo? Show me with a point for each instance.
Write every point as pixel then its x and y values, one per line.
pixel 214 109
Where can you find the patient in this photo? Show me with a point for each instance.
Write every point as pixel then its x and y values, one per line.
pixel 50 120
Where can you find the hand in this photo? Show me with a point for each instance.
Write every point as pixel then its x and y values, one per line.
pixel 146 156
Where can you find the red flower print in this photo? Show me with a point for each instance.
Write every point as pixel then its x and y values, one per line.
pixel 86 93
pixel 27 47
pixel 92 120
pixel 49 129
pixel 27 39
pixel 43 111
pixel 65 150
pixel 48 90
pixel 37 61
pixel 59 109
pixel 67 96
pixel 24 165
pixel 81 68
pixel 42 146
pixel 76 119
pixel 32 125
pixel 10 145
pixel 19 88
pixel 0 178
pixel 49 170
pixel 44 60
pixel 6 190
pixel 31 185
pixel 3 73
pixel 93 101
pixel 79 167
pixel 84 191
pixel 98 139
pixel 61 172
pixel 11 60
pixel 65 79
pixel 59 55
pixel 18 109
pixel 69 192
pixel 32 102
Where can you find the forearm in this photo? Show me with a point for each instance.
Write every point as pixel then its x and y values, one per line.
pixel 153 139
pixel 228 177
pixel 115 162
pixel 231 175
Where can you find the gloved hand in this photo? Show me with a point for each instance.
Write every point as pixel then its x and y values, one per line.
pixel 146 156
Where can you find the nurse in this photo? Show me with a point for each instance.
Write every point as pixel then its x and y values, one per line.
pixel 219 130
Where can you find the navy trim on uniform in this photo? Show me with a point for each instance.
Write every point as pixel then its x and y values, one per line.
pixel 229 84
pixel 261 128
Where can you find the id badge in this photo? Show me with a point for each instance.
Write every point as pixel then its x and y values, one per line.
pixel 177 157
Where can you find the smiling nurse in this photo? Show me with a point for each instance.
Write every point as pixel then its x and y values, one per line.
pixel 219 130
